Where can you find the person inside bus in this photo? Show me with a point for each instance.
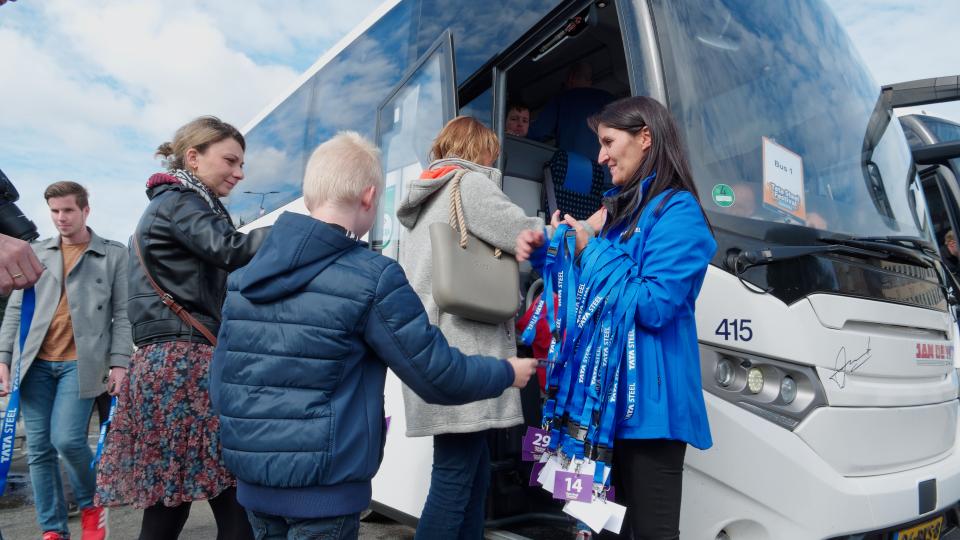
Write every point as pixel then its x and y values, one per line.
pixel 655 217
pixel 163 447
pixel 950 258
pixel 518 119
pixel 309 329
pixel 461 459
pixel 564 118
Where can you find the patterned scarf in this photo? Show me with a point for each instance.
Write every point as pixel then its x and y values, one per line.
pixel 187 178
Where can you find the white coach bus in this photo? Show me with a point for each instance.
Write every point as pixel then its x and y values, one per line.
pixel 825 329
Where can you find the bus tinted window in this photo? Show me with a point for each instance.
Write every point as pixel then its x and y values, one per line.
pixel 764 87
pixel 343 95
pixel 943 131
pixel 481 28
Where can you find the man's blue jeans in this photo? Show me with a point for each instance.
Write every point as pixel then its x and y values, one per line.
pixel 270 527
pixel 458 488
pixel 56 422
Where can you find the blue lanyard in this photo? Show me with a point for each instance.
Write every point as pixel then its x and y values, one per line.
pixel 103 432
pixel 8 432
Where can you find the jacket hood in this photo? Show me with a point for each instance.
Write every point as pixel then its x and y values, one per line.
pixel 297 249
pixel 161 182
pixel 421 189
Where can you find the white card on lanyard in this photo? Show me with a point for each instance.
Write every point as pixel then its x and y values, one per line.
pixel 595 514
pixel 546 477
pixel 617 511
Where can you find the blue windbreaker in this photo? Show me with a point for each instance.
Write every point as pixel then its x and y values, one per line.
pixel 672 247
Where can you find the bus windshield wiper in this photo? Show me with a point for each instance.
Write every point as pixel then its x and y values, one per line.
pixel 739 261
pixel 892 246
pixel 924 245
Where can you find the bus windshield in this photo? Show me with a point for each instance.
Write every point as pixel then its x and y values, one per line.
pixel 783 122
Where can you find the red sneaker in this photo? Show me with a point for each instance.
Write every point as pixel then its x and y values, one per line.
pixel 53 535
pixel 93 523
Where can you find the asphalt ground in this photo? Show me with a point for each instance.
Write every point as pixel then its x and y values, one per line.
pixel 18 519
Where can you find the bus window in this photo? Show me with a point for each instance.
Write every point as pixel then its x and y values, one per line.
pixel 407 122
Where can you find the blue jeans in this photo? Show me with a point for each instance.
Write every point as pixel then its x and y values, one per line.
pixel 270 527
pixel 458 488
pixel 55 420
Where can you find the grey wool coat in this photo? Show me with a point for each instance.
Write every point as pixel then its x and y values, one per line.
pixel 97 296
pixel 493 218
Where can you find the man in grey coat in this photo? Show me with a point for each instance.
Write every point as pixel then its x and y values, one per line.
pixel 79 344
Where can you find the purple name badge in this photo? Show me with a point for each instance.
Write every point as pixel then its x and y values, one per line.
pixel 535 443
pixel 535 473
pixel 570 486
pixel 386 421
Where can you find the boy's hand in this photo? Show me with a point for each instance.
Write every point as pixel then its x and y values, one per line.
pixel 523 369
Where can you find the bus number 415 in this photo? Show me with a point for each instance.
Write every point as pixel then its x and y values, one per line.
pixel 736 329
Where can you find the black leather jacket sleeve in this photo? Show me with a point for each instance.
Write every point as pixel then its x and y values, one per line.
pixel 189 249
pixel 210 237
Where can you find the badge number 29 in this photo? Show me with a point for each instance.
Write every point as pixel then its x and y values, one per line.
pixel 735 329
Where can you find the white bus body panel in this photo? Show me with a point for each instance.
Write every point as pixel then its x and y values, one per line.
pixel 806 332
pixel 762 482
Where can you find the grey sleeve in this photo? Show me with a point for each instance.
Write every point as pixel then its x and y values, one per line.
pixel 491 216
pixel 11 327
pixel 121 346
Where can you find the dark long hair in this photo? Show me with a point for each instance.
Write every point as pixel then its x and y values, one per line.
pixel 667 157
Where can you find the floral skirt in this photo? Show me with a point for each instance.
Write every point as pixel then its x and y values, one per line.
pixel 164 440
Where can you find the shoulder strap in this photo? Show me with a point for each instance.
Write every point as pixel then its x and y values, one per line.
pixel 168 300
pixel 457 220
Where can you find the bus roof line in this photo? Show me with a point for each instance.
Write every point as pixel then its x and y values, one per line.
pixel 329 55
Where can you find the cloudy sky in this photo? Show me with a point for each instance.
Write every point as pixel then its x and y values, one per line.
pixel 90 88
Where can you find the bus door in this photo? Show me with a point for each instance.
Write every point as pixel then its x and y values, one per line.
pixel 407 122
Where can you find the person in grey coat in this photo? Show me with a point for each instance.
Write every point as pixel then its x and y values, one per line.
pixel 79 345
pixel 461 462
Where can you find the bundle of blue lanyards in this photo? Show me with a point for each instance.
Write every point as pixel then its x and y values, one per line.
pixel 592 362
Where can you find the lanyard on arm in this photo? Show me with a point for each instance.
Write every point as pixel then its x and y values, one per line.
pixel 8 431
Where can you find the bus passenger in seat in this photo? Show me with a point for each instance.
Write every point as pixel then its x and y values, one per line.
pixel 653 216
pixel 461 459
pixel 950 257
pixel 564 118
pixel 518 119
pixel 310 327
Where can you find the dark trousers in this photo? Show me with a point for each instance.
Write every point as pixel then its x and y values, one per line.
pixel 458 488
pixel 270 527
pixel 648 478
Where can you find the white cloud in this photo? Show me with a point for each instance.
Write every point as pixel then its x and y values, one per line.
pixel 94 87
pixel 902 41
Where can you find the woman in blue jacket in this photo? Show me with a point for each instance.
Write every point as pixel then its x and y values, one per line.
pixel 653 215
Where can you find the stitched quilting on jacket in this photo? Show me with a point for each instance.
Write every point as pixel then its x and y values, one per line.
pixel 309 329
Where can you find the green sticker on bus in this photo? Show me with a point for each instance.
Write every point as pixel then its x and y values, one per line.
pixel 723 195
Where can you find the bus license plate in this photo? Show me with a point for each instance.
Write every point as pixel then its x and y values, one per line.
pixel 925 531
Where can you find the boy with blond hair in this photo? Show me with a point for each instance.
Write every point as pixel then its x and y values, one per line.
pixel 309 329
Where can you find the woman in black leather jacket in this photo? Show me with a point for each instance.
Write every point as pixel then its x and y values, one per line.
pixel 163 450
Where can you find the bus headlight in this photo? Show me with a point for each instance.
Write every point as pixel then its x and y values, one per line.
pixel 725 373
pixel 788 390
pixel 755 380
pixel 779 391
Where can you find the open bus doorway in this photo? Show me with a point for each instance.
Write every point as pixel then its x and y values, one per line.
pixel 563 73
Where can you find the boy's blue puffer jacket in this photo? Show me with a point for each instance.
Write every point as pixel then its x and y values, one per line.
pixel 309 329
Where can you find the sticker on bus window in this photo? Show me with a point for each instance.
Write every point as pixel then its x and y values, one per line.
pixel 783 180
pixel 723 195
